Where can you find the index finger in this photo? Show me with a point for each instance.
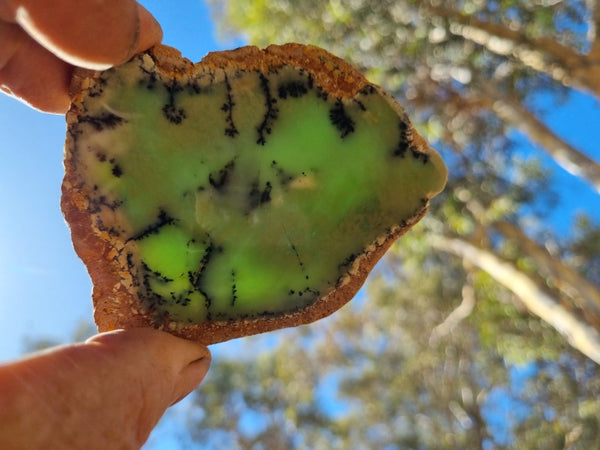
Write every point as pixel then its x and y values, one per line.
pixel 87 33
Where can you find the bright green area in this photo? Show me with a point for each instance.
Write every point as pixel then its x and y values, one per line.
pixel 221 226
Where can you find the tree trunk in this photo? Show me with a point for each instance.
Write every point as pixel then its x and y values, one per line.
pixel 546 55
pixel 579 334
pixel 565 155
pixel 456 316
pixel 514 114
pixel 594 28
pixel 584 294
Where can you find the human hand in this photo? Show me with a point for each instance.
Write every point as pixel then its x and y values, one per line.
pixel 108 392
pixel 41 41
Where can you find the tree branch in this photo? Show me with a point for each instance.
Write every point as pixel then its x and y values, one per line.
pixel 565 155
pixel 584 293
pixel 544 54
pixel 572 437
pixel 455 317
pixel 579 334
pixel 594 28
pixel 513 113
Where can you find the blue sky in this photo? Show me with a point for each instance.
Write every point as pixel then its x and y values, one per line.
pixel 44 288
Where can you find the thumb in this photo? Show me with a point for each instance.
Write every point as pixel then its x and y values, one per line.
pixel 183 362
pixel 91 34
pixel 106 393
pixel 189 378
pixel 168 368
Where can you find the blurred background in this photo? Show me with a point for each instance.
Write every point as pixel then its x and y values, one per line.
pixel 479 329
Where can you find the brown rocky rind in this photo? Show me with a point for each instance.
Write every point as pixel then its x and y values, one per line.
pixel 114 306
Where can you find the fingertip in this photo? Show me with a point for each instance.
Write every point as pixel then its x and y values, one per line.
pixel 160 345
pixel 190 378
pixel 93 35
pixel 186 362
pixel 201 366
pixel 150 30
pixel 35 76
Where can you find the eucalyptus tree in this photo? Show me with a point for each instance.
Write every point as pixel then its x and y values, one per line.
pixel 471 72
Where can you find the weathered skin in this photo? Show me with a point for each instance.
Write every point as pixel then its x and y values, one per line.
pixel 237 192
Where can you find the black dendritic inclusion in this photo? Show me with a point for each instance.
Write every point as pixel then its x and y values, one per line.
pixel 173 114
pixel 196 279
pixel 283 177
pixel 367 89
pixel 296 254
pixel 111 231
pixel 293 89
pixel 271 113
pixel 157 275
pixel 342 121
pixel 107 121
pixel 347 263
pixel 163 220
pixel 117 171
pixel 150 77
pixel 227 108
pixel 403 141
pixel 258 196
pixel 219 179
pixel 97 89
pixel 97 203
pixel 285 90
pixel 233 288
pixel 419 154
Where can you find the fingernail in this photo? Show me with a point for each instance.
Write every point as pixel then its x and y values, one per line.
pixel 200 368
pixel 195 372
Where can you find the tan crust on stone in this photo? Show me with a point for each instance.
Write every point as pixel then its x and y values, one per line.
pixel 114 306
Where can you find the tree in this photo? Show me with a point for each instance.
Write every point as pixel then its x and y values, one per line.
pixel 469 72
pixel 395 370
pixel 460 339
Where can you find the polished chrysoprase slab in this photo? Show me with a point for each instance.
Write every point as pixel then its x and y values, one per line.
pixel 231 193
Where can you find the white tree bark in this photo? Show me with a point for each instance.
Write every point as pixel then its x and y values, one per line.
pixel 565 155
pixel 562 63
pixel 579 334
pixel 585 294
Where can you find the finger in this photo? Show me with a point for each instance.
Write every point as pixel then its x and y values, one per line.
pixel 88 33
pixel 159 345
pixel 6 13
pixel 189 379
pixel 11 36
pixel 168 369
pixel 185 362
pixel 107 393
pixel 31 73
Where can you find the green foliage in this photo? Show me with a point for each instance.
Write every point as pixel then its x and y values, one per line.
pixel 383 382
pixel 262 400
pixel 517 337
pixel 431 355
pixel 584 249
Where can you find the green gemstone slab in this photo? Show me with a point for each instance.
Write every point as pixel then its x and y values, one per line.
pixel 233 194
